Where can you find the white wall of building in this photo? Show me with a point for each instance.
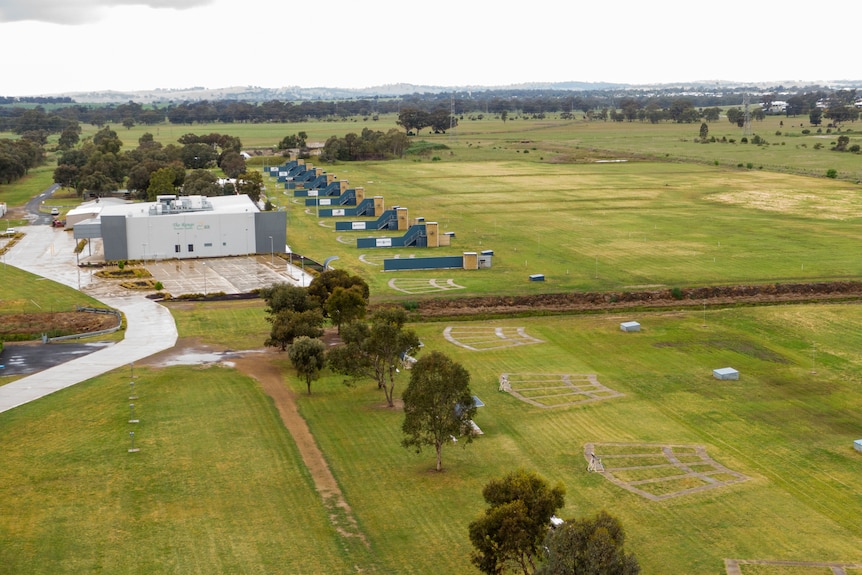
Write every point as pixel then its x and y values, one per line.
pixel 189 235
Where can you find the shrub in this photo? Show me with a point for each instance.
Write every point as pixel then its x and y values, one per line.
pixel 159 286
pixel 676 293
pixel 832 173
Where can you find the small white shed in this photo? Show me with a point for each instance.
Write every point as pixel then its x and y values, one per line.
pixel 857 445
pixel 630 326
pixel 725 373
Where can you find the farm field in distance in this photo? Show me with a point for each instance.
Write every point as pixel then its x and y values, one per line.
pixel 219 485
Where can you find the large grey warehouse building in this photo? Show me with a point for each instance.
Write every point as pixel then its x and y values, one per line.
pixel 185 227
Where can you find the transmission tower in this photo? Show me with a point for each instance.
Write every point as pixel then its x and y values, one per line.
pixel 746 126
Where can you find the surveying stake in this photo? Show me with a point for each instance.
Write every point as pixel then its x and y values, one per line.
pixel 595 464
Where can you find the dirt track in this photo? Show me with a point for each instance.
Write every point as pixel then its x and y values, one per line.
pixel 271 379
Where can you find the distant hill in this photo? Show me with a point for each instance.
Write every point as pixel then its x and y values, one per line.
pixel 260 94
pixel 295 93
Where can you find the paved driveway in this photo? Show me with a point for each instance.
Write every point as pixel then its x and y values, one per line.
pixel 49 252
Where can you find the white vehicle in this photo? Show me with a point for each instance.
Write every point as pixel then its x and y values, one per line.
pixel 55 211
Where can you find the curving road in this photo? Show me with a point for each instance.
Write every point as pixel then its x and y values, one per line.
pixel 49 252
pixel 34 215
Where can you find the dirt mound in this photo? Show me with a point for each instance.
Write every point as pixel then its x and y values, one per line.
pixel 663 298
pixel 22 326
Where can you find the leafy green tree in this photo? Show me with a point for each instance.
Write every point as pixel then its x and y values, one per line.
pixel 735 116
pixel 629 108
pixel 413 119
pixel 70 136
pixel 590 545
pixel 198 155
pixel 704 131
pixel 842 144
pixel 161 183
pixel 389 341
pixel 345 305
pixel 438 404
pixel 441 120
pixel 815 116
pixel 293 141
pixel 842 113
pixel 284 296
pixel 201 183
pixel 232 164
pixel 251 184
pixel 292 314
pixel 288 325
pixel 307 355
pixel 353 358
pixel 375 350
pixel 712 114
pixel 508 536
pixel 106 141
pixel 67 175
pixel 324 283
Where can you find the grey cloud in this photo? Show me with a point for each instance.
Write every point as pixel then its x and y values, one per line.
pixel 79 11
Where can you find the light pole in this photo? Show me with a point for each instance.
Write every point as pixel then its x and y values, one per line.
pixel 302 278
pixel 205 277
pixel 271 249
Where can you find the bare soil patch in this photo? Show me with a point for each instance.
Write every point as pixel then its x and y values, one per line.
pixel 33 325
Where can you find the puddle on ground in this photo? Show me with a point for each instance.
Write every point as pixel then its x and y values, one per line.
pixel 198 357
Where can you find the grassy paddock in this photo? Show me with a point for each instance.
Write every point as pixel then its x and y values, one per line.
pixel 218 483
pixel 218 486
pixel 602 226
pixel 23 292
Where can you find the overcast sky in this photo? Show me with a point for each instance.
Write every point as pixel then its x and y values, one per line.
pixel 54 46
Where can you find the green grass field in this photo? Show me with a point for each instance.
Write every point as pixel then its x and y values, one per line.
pixel 602 226
pixel 218 485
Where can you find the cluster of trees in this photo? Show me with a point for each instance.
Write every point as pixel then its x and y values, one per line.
pixel 514 534
pixel 438 403
pixel 843 145
pixel 17 157
pixel 369 145
pixel 100 166
pixel 19 120
pixel 413 120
